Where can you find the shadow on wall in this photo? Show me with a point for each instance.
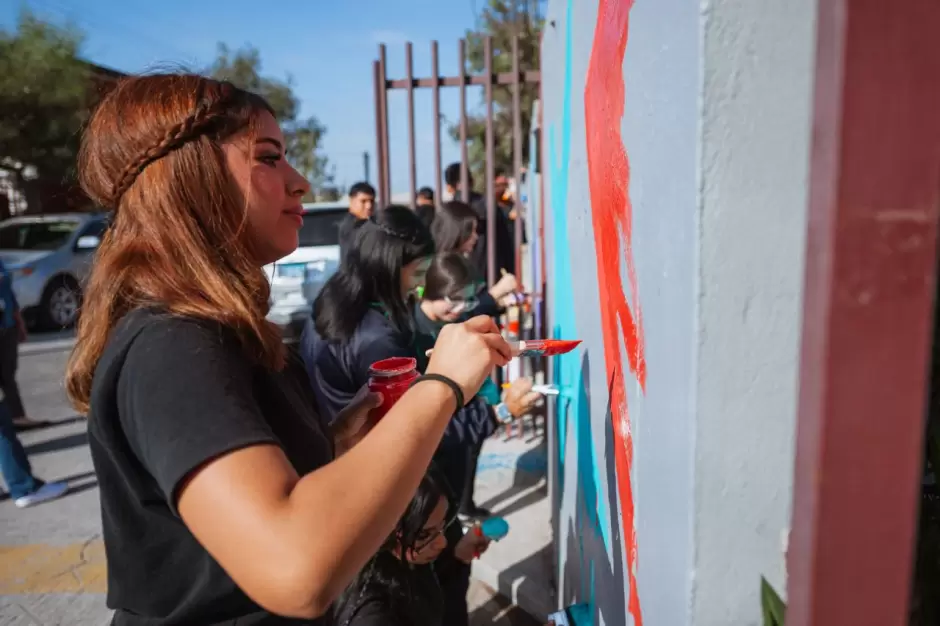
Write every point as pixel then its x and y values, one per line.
pixel 590 571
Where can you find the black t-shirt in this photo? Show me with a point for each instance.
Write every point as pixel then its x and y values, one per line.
pixel 505 247
pixel 169 394
pixel 425 213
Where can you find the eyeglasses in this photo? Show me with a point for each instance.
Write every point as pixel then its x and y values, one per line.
pixel 427 537
pixel 459 306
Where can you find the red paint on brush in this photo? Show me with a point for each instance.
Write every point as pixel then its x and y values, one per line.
pixel 609 178
pixel 392 378
pixel 546 347
pixel 538 347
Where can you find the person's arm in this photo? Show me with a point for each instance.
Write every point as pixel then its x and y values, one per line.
pixel 487 305
pixel 292 544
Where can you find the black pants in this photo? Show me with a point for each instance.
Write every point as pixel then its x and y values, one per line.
pixel 473 459
pixel 9 355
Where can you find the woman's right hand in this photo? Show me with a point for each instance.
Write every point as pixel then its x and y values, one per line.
pixel 467 353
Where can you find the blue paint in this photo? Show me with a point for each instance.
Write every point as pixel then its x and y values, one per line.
pixel 494 528
pixel 562 300
pixel 581 614
pixel 528 463
pixel 569 376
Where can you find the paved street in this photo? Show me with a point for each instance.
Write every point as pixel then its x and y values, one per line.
pixel 52 563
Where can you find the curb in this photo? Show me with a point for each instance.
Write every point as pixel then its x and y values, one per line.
pixel 42 347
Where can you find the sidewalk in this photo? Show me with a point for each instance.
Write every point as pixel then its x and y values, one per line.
pixel 511 482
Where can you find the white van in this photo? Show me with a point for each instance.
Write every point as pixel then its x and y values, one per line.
pixel 298 277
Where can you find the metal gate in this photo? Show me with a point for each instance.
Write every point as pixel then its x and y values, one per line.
pixel 530 322
pixel 516 78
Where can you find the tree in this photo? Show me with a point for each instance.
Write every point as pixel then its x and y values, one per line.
pixel 45 95
pixel 243 69
pixel 501 19
pixel 303 142
pixel 303 136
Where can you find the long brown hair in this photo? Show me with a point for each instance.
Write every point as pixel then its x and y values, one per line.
pixel 179 242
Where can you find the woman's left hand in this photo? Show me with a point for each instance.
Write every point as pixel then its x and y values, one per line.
pixel 354 422
pixel 471 545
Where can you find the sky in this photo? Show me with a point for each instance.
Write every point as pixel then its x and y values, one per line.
pixel 325 46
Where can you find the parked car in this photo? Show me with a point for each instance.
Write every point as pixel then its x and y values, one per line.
pixel 297 278
pixel 49 257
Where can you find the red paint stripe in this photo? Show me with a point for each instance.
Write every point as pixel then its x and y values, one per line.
pixel 609 174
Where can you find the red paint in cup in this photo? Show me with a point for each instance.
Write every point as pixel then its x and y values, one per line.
pixel 392 378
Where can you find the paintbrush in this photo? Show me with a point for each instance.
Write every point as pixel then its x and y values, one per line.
pixel 545 390
pixel 538 347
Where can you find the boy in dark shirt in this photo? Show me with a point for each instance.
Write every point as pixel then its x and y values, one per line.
pixel 361 205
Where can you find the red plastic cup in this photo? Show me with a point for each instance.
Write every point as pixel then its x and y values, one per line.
pixel 392 378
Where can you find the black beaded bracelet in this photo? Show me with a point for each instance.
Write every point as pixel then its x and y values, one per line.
pixel 458 393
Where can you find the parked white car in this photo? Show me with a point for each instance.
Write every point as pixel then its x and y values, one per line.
pixel 49 257
pixel 297 278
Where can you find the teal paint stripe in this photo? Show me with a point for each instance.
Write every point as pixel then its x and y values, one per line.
pixel 569 376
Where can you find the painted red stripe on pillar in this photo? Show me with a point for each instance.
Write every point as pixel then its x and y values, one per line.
pixel 609 175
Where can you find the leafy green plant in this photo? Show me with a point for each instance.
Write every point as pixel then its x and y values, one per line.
pixel 772 605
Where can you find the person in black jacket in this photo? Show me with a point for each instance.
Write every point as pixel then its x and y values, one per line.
pixel 425 205
pixel 398 586
pixel 361 205
pixel 505 248
pixel 451 294
pixel 362 315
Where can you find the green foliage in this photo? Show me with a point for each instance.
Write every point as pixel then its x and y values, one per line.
pixel 501 19
pixel 303 136
pixel 772 605
pixel 242 67
pixel 45 94
pixel 303 142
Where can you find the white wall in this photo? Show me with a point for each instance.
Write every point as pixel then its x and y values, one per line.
pixel 717 127
pixel 755 143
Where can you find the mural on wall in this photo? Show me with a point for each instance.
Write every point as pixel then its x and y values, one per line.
pixel 600 546
pixel 609 175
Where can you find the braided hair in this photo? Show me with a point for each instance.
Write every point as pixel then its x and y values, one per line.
pixel 206 114
pixel 152 152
